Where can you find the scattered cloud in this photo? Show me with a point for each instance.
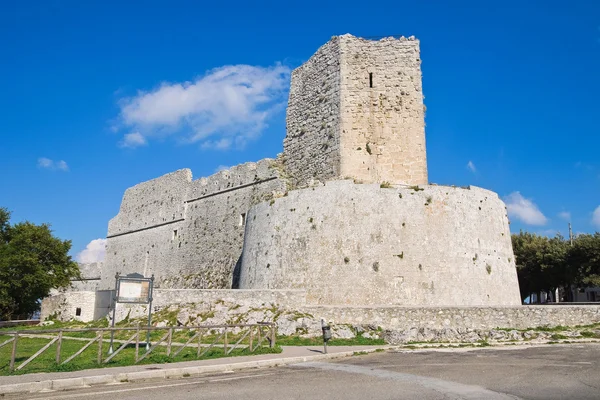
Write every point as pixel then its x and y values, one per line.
pixel 133 140
pixel 226 107
pixel 596 217
pixel 221 144
pixel 566 215
pixel 524 210
pixel 93 252
pixel 47 163
pixel 471 166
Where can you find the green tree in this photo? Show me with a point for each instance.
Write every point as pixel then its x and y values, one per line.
pixel 32 262
pixel 584 256
pixel 541 262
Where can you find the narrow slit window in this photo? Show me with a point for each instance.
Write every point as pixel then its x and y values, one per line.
pixel 174 234
pixel 78 312
pixel 243 219
pixel 370 79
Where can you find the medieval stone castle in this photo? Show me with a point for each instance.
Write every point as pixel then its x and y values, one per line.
pixel 344 217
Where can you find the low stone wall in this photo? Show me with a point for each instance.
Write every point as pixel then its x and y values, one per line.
pixel 164 298
pixel 289 310
pixel 482 318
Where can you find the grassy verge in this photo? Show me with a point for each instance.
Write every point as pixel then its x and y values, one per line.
pixel 46 362
pixel 88 359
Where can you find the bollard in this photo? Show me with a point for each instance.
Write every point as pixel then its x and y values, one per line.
pixel 326 334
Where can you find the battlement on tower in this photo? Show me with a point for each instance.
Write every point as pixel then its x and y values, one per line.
pixel 356 110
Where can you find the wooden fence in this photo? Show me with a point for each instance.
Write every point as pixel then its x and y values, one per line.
pixel 250 336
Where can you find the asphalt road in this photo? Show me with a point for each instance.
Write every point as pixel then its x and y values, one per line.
pixel 553 372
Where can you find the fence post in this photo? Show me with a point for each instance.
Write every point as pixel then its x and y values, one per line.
pixel 58 345
pixel 169 342
pixel 251 337
pixel 14 353
pixel 137 343
pixel 272 336
pixel 225 343
pixel 199 343
pixel 100 334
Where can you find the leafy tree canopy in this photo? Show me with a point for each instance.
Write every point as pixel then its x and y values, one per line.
pixel 32 262
pixel 544 264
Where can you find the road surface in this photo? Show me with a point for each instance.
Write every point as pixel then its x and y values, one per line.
pixel 551 372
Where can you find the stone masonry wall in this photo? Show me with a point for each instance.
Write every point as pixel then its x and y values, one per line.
pixel 404 318
pixel 382 111
pixel 353 244
pixel 312 142
pixel 267 304
pixel 189 234
pixel 90 277
pixel 155 202
pixel 165 298
pixel 64 306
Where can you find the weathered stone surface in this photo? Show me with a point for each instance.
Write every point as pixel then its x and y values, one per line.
pixel 312 142
pixel 63 306
pixel 188 233
pixel 357 244
pixel 460 318
pixel 356 110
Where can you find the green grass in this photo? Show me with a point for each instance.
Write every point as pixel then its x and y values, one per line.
pixel 318 341
pixel 558 336
pixel 588 334
pixel 88 359
pixel 558 328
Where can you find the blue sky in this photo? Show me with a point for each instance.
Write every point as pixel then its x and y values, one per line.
pixel 100 95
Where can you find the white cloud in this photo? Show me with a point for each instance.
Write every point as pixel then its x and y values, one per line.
pixel 228 106
pixel 62 165
pixel 596 217
pixel 47 163
pixel 133 140
pixel 94 252
pixel 471 166
pixel 524 209
pixel 565 215
pixel 222 168
pixel 221 144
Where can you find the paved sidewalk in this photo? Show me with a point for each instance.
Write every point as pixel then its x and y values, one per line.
pixel 30 383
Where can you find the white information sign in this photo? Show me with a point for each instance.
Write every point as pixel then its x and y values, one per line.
pixel 133 291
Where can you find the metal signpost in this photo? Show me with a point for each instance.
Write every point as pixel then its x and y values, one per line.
pixel 132 289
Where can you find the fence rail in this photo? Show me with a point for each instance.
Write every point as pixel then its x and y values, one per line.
pixel 202 337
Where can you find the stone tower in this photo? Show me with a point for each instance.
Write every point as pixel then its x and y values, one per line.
pixel 356 110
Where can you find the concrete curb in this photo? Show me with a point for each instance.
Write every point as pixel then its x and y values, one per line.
pixel 169 373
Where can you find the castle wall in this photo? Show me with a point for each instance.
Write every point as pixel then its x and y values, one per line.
pixel 312 142
pixel 189 234
pixel 382 111
pixel 152 203
pixel 351 244
pixel 212 234
pixel 90 277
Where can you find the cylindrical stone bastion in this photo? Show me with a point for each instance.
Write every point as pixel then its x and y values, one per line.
pixel 356 244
